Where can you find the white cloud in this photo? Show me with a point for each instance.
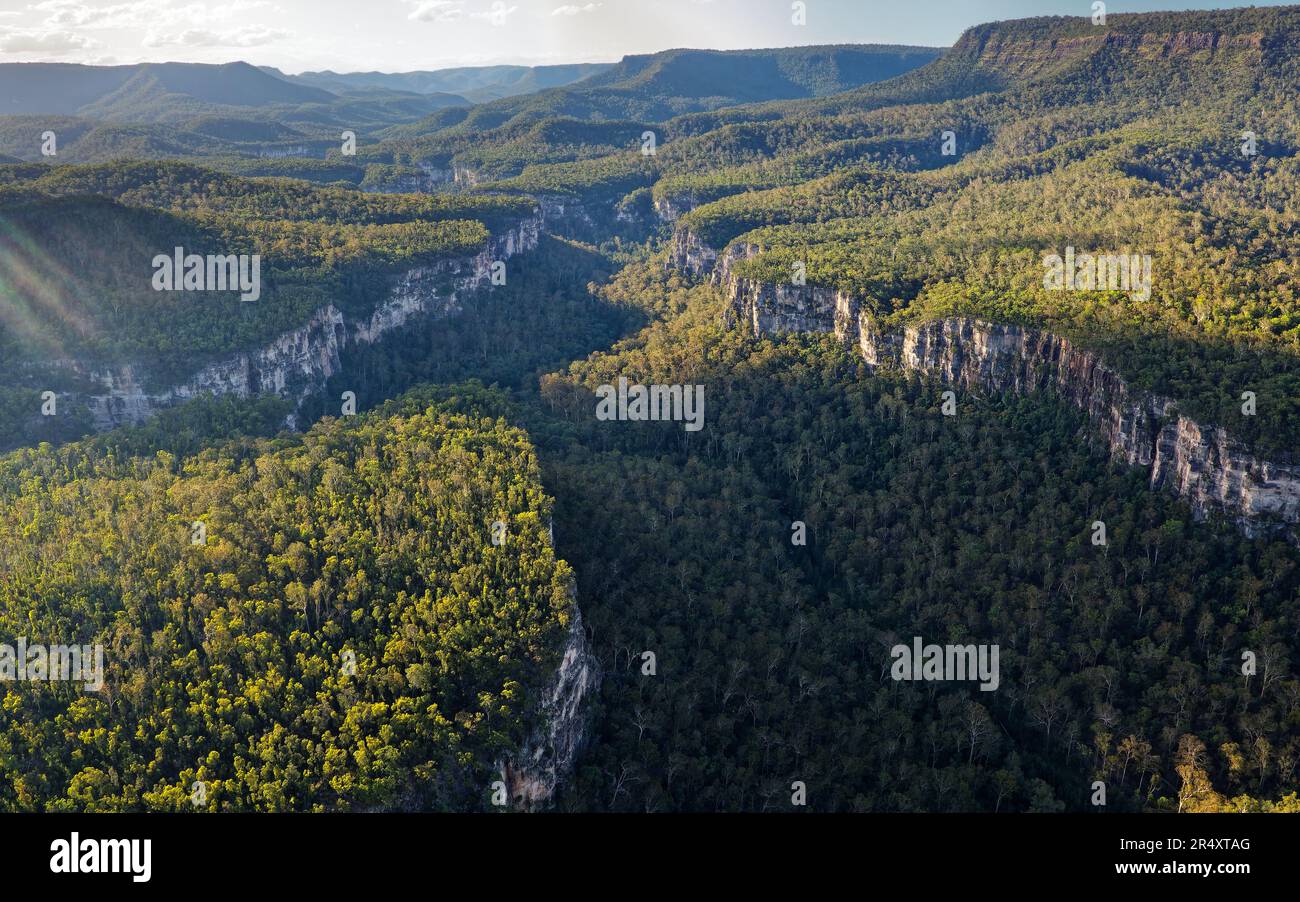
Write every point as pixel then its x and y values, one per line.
pixel 66 25
pixel 498 14
pixel 76 14
pixel 153 14
pixel 38 40
pixel 573 10
pixel 246 36
pixel 434 10
pixel 201 13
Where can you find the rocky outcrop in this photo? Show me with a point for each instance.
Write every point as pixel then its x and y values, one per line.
pixel 562 211
pixel 299 362
pixel 463 176
pixel 1018 54
pixel 672 207
pixel 291 363
pixel 435 176
pixel 1010 51
pixel 547 757
pixel 688 253
pixel 1201 464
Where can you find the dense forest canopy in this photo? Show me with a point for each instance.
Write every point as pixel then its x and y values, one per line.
pixel 315 622
pixel 923 184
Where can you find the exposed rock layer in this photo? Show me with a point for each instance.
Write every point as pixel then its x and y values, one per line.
pixel 548 756
pixel 300 361
pixel 1201 464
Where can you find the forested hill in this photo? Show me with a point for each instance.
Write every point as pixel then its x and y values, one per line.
pixel 752 75
pixel 78 261
pixel 1085 60
pixel 477 84
pixel 673 82
pixel 143 92
pixel 321 622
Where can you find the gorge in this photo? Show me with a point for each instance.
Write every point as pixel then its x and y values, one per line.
pixel 299 362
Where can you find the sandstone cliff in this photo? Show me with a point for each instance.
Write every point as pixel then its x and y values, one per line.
pixel 298 362
pixel 532 775
pixel 1200 463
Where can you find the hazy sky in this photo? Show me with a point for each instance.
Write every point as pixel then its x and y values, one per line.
pixel 397 35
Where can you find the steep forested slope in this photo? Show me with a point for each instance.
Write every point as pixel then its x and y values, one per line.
pixel 76 278
pixel 90 337
pixel 1118 663
pixel 317 622
pixel 1120 141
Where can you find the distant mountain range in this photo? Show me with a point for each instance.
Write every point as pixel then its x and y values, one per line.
pixel 145 92
pixel 711 78
pixel 475 84
pixel 159 92
pixel 237 110
pixel 654 84
pixel 673 82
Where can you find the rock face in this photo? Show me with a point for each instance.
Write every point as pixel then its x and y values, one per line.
pixel 689 254
pixel 670 208
pixel 298 362
pixel 567 215
pixel 463 176
pixel 432 177
pixel 1020 54
pixel 548 756
pixel 1201 464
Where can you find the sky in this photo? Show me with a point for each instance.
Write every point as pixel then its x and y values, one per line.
pixel 405 35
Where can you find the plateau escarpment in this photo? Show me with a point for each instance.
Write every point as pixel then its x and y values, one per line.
pixel 1202 464
pixel 299 362
pixel 1012 53
pixel 565 213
